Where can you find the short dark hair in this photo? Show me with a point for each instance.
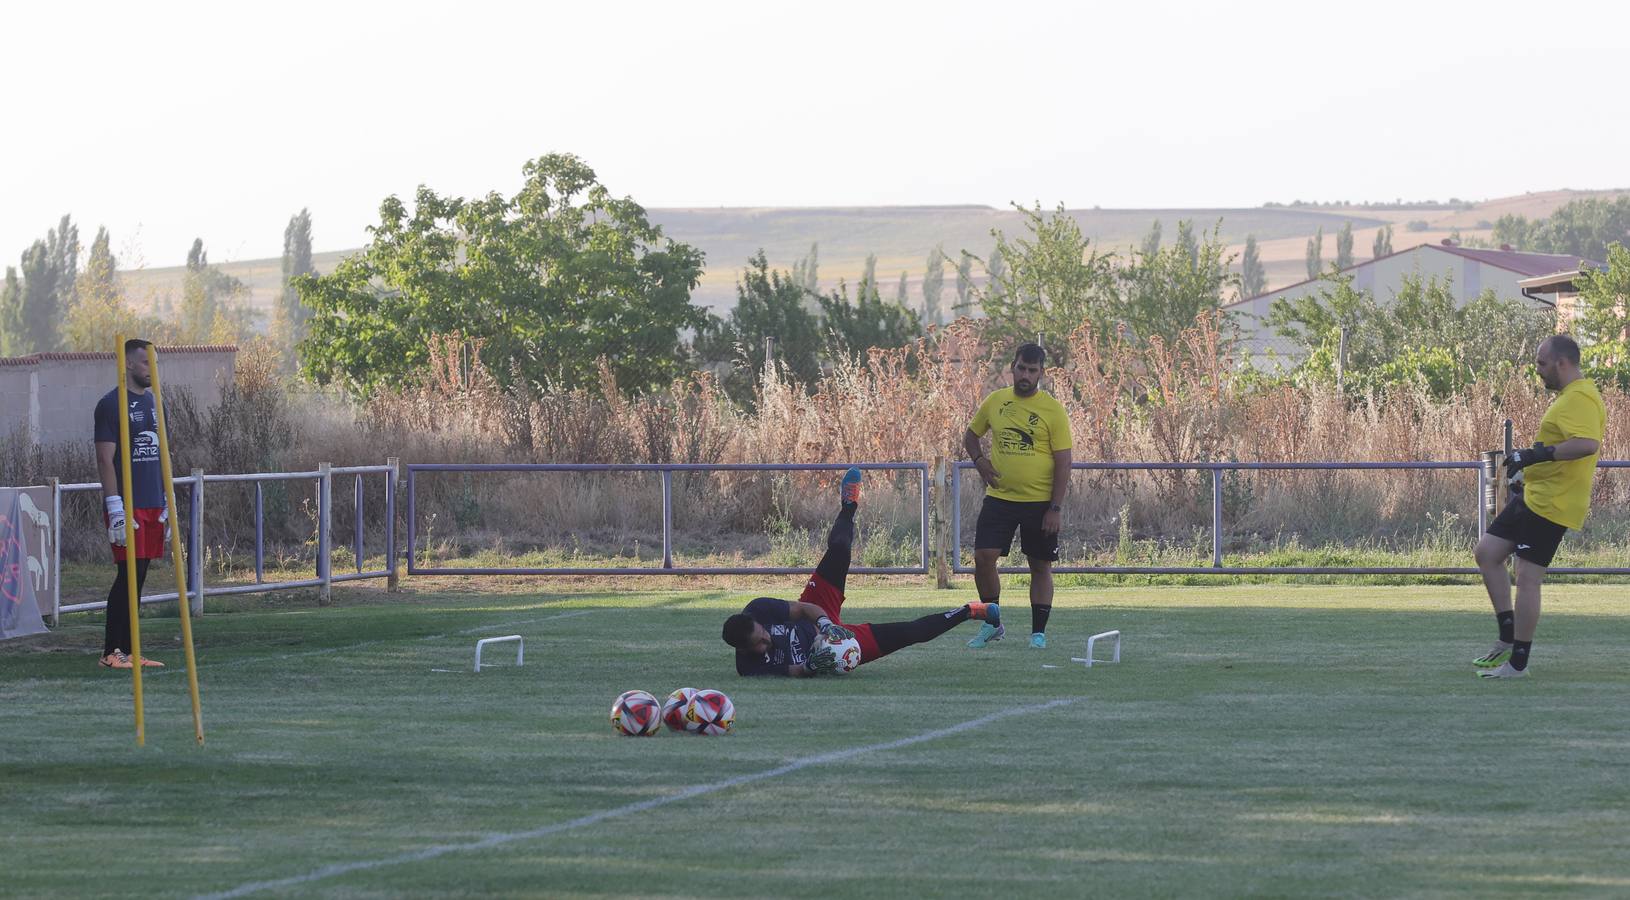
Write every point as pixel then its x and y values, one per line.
pixel 1031 353
pixel 738 630
pixel 134 344
pixel 1564 346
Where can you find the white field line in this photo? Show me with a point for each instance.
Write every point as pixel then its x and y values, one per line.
pixel 496 840
pixel 250 660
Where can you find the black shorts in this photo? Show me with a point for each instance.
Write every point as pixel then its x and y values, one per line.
pixel 1536 537
pixel 997 520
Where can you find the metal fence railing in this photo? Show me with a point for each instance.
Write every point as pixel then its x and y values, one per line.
pixel 1217 568
pixel 666 471
pixel 323 576
pixel 939 548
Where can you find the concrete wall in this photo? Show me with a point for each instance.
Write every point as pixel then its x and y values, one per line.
pixel 50 397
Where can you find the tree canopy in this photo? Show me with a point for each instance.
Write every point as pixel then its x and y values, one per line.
pixel 548 280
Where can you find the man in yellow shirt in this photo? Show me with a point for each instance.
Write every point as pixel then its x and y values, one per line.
pixel 1027 474
pixel 1555 475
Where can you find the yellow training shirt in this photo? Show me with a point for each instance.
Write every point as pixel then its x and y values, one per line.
pixel 1560 491
pixel 1027 431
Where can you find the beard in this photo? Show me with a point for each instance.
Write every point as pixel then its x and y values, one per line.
pixel 1024 388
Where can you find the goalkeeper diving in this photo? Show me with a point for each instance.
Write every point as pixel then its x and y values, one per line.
pixel 775 637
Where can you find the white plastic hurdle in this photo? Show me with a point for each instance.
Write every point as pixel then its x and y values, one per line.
pixel 1093 640
pixel 520 648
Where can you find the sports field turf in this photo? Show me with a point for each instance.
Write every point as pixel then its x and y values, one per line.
pixel 1256 740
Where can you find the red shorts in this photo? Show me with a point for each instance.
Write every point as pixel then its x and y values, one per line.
pixel 149 535
pixel 821 593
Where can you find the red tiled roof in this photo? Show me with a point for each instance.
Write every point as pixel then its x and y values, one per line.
pixel 35 358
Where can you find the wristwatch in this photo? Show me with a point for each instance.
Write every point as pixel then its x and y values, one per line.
pixel 1056 508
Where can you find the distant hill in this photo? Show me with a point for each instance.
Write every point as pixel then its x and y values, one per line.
pixel 902 236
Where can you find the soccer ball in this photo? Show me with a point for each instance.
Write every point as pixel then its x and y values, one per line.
pixel 636 714
pixel 676 709
pixel 710 712
pixel 846 651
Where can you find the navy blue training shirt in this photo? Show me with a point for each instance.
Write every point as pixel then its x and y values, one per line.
pixel 790 641
pixel 147 478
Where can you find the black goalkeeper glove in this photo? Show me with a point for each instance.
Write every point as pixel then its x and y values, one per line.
pixel 1522 459
pixel 832 631
pixel 822 661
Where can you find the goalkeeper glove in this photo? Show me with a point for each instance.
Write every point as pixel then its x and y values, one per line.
pixel 832 631
pixel 116 519
pixel 822 661
pixel 1522 459
pixel 164 517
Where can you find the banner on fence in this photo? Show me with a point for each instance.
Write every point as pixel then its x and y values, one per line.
pixel 25 559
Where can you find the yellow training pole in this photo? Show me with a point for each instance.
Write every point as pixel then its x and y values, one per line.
pixel 176 557
pixel 130 537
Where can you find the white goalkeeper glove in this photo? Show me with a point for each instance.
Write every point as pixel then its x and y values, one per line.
pixel 832 631
pixel 165 518
pixel 822 661
pixel 116 519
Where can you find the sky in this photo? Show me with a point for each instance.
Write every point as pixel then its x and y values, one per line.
pixel 169 121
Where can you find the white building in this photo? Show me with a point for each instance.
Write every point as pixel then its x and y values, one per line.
pixel 1510 273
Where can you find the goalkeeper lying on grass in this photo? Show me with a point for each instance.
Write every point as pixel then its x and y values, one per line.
pixel 774 637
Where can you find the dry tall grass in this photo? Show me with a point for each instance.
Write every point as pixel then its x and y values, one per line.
pixel 1182 402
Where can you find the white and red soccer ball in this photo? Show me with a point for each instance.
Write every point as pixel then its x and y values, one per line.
pixel 846 654
pixel 636 714
pixel 676 709
pixel 688 710
pixel 710 712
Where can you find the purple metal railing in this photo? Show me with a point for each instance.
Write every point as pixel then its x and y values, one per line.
pixel 1217 568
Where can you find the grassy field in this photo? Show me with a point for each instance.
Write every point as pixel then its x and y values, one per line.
pixel 1256 740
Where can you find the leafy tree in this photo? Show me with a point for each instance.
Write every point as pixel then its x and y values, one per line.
pixel 769 303
pixel 210 307
pixel 1383 242
pixel 31 321
pixel 853 328
pixel 1151 240
pixel 1344 246
pixel 549 280
pixel 1052 280
pixel 868 277
pixel 293 317
pixel 1187 246
pixel 1315 254
pixel 13 331
pixel 1253 276
pixel 995 272
pixel 964 282
pixel 902 293
pixel 1161 295
pixel 806 273
pixel 1422 337
pixel 101 312
pixel 1603 320
pixel 934 287
pixel 1584 227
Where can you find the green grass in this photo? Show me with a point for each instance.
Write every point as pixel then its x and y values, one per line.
pixel 1272 740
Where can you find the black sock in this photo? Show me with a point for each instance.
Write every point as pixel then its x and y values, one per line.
pixel 891 636
pixel 1038 618
pixel 1508 621
pixel 834 564
pixel 1519 654
pixel 116 624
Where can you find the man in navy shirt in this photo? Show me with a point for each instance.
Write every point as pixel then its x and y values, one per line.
pixel 774 637
pixel 150 517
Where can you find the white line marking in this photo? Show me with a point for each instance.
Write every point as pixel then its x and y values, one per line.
pixel 495 840
pixel 249 660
